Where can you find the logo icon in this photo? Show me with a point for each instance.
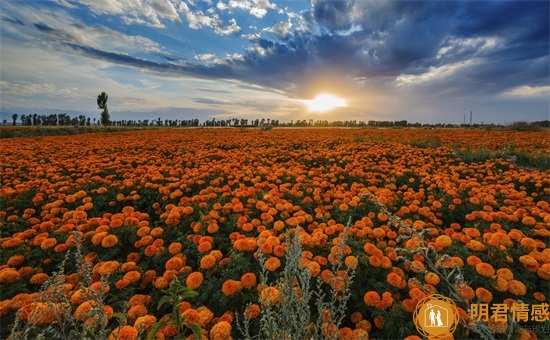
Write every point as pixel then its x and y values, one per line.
pixel 436 316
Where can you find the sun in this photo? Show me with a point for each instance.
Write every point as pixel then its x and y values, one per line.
pixel 324 102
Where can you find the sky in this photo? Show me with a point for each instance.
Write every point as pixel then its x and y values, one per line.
pixel 420 61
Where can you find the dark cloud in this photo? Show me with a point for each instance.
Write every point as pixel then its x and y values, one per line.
pixel 44 28
pixel 12 20
pixel 479 47
pixel 209 101
pixel 332 14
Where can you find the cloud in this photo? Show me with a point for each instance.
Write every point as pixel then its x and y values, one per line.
pixel 427 49
pixel 333 15
pixel 143 12
pixel 210 101
pixel 280 29
pixel 197 20
pixel 528 91
pixel 8 88
pixel 257 8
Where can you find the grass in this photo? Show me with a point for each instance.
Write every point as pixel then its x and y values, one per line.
pixel 34 131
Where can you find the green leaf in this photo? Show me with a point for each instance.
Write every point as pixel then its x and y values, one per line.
pixel 196 330
pixel 162 301
pixel 155 329
pixel 187 293
pixel 121 317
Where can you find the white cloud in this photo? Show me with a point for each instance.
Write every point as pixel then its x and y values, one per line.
pixel 48 89
pixel 434 73
pixel 528 91
pixel 228 30
pixel 257 8
pixel 475 46
pixel 252 36
pixel 61 28
pixel 198 20
pixel 280 29
pixel 143 12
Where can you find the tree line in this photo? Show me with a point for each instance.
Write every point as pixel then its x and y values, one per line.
pixel 63 119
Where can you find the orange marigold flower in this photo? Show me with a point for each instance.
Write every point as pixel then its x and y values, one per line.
pixel 122 283
pixel 473 260
pixel 44 313
pixel 109 241
pixel 539 296
pixel 465 291
pixel 528 243
pixel 386 301
pixel 191 316
pixel 444 241
pixel 48 243
pixel 485 269
pixel 16 260
pixel 117 223
pixel 231 287
pixel 208 261
pixel 499 283
pixel 147 322
pixel 379 322
pixel 375 261
pixel 505 273
pixel 194 280
pixel 127 333
pixel 396 280
pixel 485 295
pixel 371 298
pixel 248 280
pixel 205 316
pixel 9 275
pixel 528 260
pixel 416 294
pixel 83 310
pixel 351 262
pixel 108 268
pixel 139 299
pixel 474 245
pixel 38 278
pixel 221 331
pixel 417 266
pixel 272 264
pixel 356 317
pixel 543 272
pixel 174 263
pixel 136 311
pixel 432 278
pixel 174 248
pixel 204 247
pixel 528 220
pixel 517 287
pixel 269 295
pixel 132 276
pixel 252 312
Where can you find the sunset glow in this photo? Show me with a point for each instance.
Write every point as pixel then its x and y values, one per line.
pixel 324 102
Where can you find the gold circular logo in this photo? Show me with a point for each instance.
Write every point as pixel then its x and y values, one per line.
pixel 436 316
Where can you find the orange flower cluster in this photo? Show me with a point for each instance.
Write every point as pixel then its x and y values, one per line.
pixel 148 206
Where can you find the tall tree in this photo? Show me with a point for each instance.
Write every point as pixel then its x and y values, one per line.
pixel 14 117
pixel 102 104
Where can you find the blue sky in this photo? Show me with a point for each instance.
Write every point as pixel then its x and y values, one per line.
pixel 423 61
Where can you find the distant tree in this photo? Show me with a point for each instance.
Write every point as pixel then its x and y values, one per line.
pixel 14 117
pixel 88 121
pixel 102 104
pixel 5 122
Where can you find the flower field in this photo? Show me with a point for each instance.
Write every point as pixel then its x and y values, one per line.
pixel 183 232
